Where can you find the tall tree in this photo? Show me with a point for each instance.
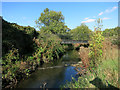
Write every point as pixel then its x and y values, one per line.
pixel 51 21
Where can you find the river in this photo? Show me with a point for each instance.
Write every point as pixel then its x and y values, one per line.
pixel 54 75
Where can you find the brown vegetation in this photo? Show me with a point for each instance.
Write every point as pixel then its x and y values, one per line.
pixel 76 45
pixel 110 51
pixel 84 56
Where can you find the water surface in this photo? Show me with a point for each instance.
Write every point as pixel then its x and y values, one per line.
pixel 54 75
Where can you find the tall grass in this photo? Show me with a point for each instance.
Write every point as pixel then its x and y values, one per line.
pixel 105 75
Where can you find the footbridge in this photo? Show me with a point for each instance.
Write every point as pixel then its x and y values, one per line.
pixel 65 41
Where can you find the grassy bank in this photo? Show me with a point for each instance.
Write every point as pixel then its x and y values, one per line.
pixel 105 75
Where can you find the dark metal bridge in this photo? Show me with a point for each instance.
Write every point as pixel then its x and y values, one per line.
pixel 74 41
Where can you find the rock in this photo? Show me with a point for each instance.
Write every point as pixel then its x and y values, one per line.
pixel 74 65
pixel 80 62
pixel 66 65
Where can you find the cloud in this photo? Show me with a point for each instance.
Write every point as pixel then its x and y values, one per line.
pixel 86 18
pixel 105 18
pixel 100 13
pixel 88 21
pixel 111 10
pixel 108 10
pixel 92 20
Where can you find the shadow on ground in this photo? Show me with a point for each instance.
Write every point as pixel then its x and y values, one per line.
pixel 99 84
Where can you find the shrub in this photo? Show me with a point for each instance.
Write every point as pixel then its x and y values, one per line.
pixel 49 46
pixel 96 46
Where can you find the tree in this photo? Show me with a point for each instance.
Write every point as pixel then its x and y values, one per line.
pixel 81 32
pixel 20 37
pixel 111 32
pixel 51 21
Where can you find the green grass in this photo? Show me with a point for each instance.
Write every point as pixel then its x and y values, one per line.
pixel 107 77
pixel 108 71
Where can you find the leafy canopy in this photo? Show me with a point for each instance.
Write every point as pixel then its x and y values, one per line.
pixel 81 32
pixel 111 32
pixel 51 21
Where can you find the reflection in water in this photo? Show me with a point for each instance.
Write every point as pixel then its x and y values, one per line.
pixel 53 77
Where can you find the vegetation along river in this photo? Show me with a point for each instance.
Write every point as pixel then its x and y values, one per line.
pixel 53 75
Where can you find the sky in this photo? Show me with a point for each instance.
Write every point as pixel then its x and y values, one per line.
pixel 60 0
pixel 75 13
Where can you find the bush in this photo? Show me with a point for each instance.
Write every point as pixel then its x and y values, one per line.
pixel 50 46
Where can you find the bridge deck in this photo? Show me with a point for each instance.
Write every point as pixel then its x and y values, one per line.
pixel 74 41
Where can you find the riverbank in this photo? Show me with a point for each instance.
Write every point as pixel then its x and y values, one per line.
pixel 24 50
pixel 54 75
pixel 105 75
pixel 24 70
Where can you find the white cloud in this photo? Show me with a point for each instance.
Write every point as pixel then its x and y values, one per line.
pixel 108 10
pixel 111 10
pixel 100 13
pixel 86 18
pixel 92 20
pixel 88 21
pixel 105 18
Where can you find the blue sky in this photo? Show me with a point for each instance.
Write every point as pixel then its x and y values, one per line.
pixel 75 13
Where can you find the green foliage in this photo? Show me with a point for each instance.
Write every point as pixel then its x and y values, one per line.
pixel 27 29
pixel 51 21
pixel 82 32
pixel 10 64
pixel 13 68
pixel 116 42
pixel 111 32
pixel 17 36
pixel 65 36
pixel 107 77
pixel 18 45
pixel 81 83
pixel 96 46
pixel 50 46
